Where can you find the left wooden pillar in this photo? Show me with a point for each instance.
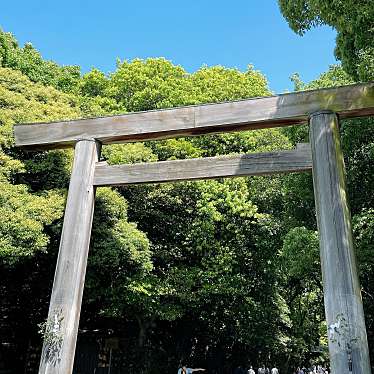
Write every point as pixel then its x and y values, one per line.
pixel 64 311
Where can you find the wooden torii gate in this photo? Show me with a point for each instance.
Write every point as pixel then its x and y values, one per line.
pixel 322 108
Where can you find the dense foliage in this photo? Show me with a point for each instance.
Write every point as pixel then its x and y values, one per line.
pixel 353 21
pixel 216 273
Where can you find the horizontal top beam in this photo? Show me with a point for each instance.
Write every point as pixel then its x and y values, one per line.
pixel 287 109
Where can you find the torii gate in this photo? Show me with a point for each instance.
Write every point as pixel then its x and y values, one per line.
pixel 348 345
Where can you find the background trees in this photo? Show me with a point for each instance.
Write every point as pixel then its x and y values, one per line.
pixel 216 273
pixel 352 19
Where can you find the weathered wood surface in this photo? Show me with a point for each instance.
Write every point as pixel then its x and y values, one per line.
pixel 281 110
pixel 205 168
pixel 66 298
pixel 343 303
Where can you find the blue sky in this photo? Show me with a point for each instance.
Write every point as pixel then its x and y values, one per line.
pixel 212 32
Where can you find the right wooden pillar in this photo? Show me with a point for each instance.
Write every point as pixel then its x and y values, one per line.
pixel 347 338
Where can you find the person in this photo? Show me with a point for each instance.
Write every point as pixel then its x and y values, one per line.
pixel 261 370
pixel 313 370
pixel 251 371
pixel 274 370
pixel 186 370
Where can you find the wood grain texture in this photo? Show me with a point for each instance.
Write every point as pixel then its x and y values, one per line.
pixel 70 272
pixel 281 110
pixel 205 168
pixel 343 303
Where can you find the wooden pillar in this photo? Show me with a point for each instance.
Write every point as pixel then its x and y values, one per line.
pixel 348 345
pixel 63 318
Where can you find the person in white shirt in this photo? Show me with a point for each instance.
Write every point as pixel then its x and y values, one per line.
pixel 251 371
pixel 274 370
pixel 185 370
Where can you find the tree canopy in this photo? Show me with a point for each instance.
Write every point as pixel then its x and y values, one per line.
pixel 220 272
pixel 352 19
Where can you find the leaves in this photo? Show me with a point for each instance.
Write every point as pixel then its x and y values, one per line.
pixel 210 270
pixel 23 219
pixel 354 22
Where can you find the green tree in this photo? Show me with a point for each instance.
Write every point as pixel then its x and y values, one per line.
pixel 208 271
pixel 186 252
pixel 29 61
pixel 352 19
pixel 198 251
pixel 32 198
pixel 303 292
